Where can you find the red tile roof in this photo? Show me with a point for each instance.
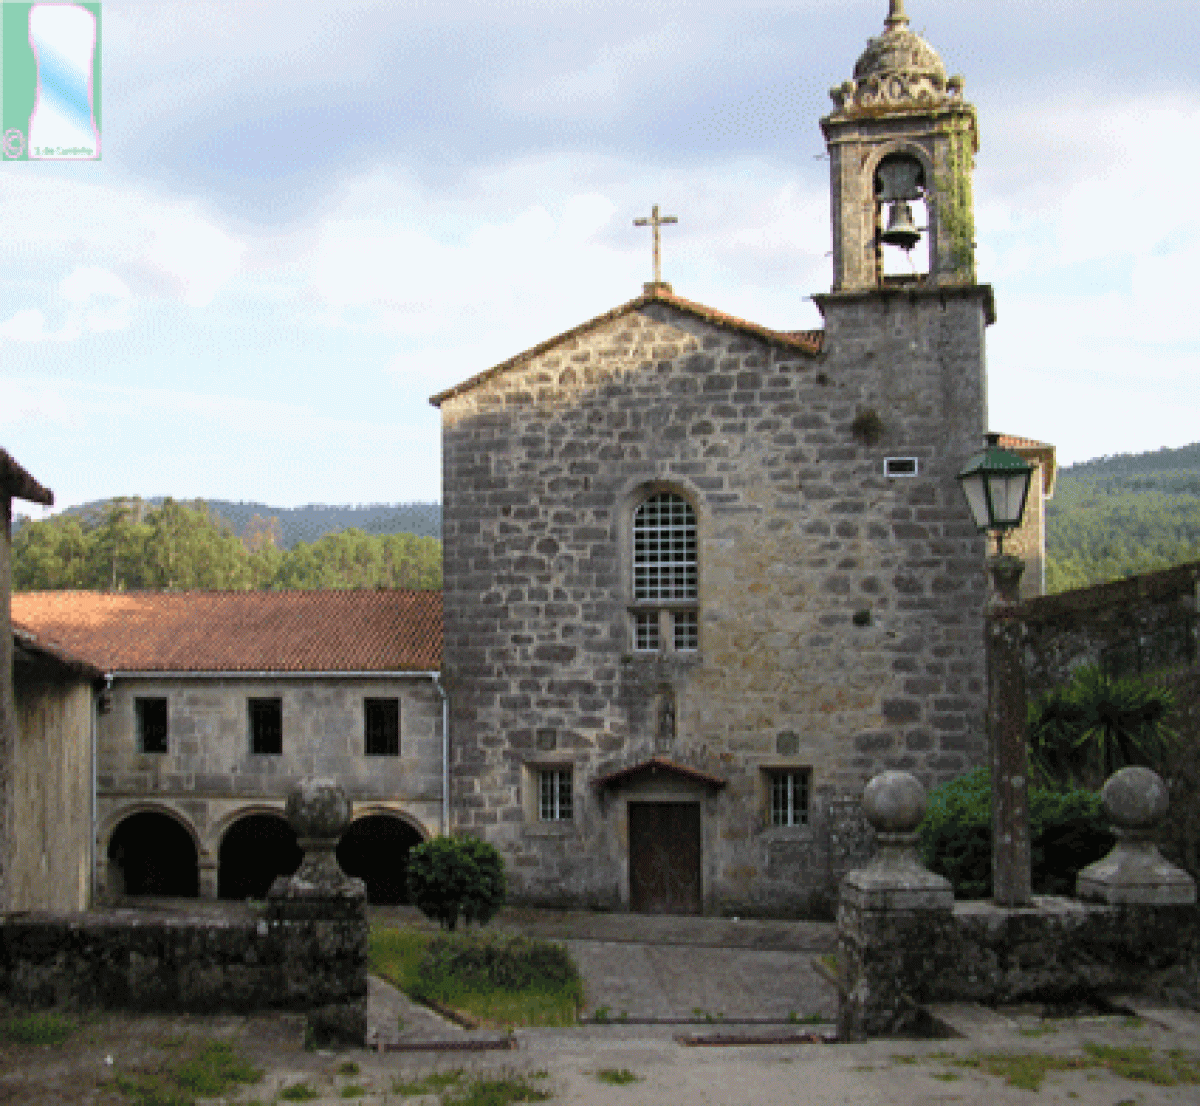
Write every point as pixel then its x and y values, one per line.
pixel 237 631
pixel 805 341
pixel 1033 450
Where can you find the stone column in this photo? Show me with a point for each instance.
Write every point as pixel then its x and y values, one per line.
pixel 318 917
pixel 1009 758
pixel 1135 872
pixel 895 917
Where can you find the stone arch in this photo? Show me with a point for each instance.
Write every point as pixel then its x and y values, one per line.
pixel 152 849
pixel 920 154
pixel 375 847
pixel 256 846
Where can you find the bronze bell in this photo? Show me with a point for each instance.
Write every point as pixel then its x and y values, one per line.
pixel 901 230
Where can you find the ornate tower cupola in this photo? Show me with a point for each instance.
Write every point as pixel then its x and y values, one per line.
pixel 901 147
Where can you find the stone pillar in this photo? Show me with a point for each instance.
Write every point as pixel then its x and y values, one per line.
pixel 318 918
pixel 1135 872
pixel 207 865
pixel 1008 756
pixel 895 917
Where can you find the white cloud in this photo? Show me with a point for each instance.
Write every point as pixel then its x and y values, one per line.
pixel 97 301
pixel 28 325
pixel 193 251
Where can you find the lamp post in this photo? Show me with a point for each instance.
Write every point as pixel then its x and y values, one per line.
pixel 996 484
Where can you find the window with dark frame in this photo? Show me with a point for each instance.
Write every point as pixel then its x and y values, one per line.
pixel 151 725
pixel 266 727
pixel 665 575
pixel 554 795
pixel 381 724
pixel 789 797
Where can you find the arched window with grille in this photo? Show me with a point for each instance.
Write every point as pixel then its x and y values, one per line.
pixel 665 575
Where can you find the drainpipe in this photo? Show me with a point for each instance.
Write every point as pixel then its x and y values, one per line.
pixel 445 821
pixel 92 848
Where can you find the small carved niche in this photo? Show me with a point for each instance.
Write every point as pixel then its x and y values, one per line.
pixel 664 718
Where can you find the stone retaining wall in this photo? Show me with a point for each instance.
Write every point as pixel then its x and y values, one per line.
pixel 201 965
pixel 890 963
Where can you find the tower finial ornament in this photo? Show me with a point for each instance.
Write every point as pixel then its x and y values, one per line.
pixel 897 17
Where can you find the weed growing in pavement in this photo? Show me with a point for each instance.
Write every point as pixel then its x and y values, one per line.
pixel 298 1092
pixel 433 1083
pixel 353 1090
pixel 212 1070
pixel 348 1068
pixel 617 1077
pixel 1028 1071
pixel 600 1015
pixel 808 1019
pixel 39 1029
pixel 497 1092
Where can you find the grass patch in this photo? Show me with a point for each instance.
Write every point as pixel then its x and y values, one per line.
pixel 807 1019
pixel 213 1070
pixel 1138 1063
pixel 298 1092
pixel 39 1029
pixel 505 981
pixel 1039 1030
pixel 349 1067
pixel 617 1077
pixel 353 1090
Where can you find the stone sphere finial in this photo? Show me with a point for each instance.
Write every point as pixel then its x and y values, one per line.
pixel 318 809
pixel 1135 799
pixel 894 802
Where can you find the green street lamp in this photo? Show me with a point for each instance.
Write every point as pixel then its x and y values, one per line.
pixel 996 485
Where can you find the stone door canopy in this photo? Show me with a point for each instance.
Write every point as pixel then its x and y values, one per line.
pixel 663 768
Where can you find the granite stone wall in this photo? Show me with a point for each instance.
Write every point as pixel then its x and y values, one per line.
pixel 142 962
pixel 891 963
pixel 840 609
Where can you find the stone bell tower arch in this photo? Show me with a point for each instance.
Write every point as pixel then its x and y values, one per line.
pixel 900 132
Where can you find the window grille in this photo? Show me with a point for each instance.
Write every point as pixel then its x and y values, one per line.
pixel 789 798
pixel 381 721
pixel 645 625
pixel 151 725
pixel 664 549
pixel 554 795
pixel 687 631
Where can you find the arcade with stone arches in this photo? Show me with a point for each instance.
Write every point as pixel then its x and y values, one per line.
pixel 154 849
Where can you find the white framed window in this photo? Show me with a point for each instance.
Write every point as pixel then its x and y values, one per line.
pixel 555 802
pixel 789 796
pixel 665 569
pixel 900 466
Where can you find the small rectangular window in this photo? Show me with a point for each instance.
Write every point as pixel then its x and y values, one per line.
pixel 266 727
pixel 789 798
pixel 151 725
pixel 899 466
pixel 687 631
pixel 381 721
pixel 554 795
pixel 645 631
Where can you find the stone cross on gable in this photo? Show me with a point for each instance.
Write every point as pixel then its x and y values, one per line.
pixel 655 221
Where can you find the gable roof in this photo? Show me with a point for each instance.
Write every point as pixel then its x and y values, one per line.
pixel 1032 450
pixel 237 631
pixel 805 341
pixel 16 483
pixel 653 767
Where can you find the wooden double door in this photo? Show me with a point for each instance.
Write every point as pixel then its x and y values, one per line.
pixel 664 858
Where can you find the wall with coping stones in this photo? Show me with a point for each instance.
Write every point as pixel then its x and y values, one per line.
pixel 147 963
pixel 799 529
pixel 1144 623
pixel 890 963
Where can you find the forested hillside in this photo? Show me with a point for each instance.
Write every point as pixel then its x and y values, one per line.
pixel 1118 516
pixel 290 525
pixel 130 543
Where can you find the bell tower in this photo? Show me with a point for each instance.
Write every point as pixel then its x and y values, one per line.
pixel 902 145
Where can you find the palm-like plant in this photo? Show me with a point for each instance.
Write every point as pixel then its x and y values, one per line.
pixel 1083 732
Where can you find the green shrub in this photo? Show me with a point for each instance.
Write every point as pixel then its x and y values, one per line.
pixel 449 877
pixel 475 963
pixel 1067 831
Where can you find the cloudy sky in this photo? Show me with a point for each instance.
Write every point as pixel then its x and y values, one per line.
pixel 311 216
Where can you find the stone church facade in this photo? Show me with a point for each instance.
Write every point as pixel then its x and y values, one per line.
pixel 703 579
